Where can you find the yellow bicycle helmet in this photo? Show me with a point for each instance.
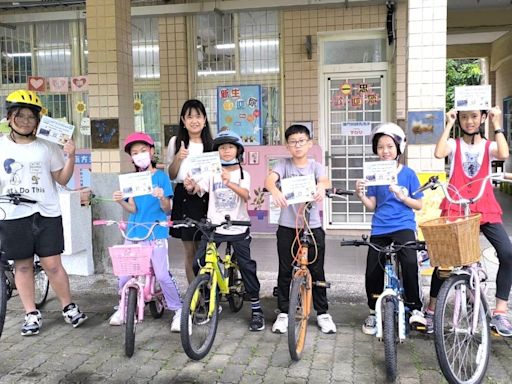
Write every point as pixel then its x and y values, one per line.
pixel 24 99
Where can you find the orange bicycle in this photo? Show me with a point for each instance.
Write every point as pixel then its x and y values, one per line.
pixel 302 284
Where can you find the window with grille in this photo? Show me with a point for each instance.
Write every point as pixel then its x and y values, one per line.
pixel 145 48
pixel 240 49
pixel 15 54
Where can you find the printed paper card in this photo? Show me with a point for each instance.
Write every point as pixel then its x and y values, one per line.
pixel 472 97
pixel 380 172
pixel 54 130
pixel 356 128
pixel 135 184
pixel 298 189
pixel 204 164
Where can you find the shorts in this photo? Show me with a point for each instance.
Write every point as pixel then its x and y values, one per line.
pixel 185 205
pixel 36 234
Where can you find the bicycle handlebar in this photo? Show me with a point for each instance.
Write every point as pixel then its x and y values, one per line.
pixel 122 225
pixel 414 244
pixel 329 192
pixel 16 199
pixel 433 182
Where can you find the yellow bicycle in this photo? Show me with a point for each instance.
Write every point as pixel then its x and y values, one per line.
pixel 219 277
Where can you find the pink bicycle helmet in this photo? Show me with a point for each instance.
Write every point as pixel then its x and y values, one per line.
pixel 137 137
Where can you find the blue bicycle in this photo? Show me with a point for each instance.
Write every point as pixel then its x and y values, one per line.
pixel 391 311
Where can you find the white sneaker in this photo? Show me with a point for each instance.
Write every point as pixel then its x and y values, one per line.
pixel 370 325
pixel 176 321
pixel 281 323
pixel 417 318
pixel 116 318
pixel 325 323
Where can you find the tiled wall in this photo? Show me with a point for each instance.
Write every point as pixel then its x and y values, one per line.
pixel 301 75
pixel 173 67
pixel 110 74
pixel 426 67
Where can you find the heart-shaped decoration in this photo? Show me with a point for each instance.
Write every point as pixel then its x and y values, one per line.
pixel 79 82
pixel 36 83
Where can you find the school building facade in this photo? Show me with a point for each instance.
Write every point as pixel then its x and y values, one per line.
pixel 340 67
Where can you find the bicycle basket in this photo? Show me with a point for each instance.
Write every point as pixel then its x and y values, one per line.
pixel 453 241
pixel 131 259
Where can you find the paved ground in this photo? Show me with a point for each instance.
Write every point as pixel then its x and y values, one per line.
pixel 94 352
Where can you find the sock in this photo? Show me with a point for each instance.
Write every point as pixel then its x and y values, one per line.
pixel 429 311
pixel 498 312
pixel 255 305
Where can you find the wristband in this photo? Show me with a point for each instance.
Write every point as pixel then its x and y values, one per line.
pixel 499 130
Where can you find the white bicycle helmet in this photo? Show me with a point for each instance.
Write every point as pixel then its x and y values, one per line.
pixel 392 130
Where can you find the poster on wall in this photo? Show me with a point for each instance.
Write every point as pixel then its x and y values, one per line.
pixel 239 110
pixel 105 134
pixel 424 127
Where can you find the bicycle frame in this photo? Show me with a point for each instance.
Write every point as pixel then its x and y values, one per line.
pixel 145 286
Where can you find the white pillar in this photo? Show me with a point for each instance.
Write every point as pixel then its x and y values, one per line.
pixel 426 72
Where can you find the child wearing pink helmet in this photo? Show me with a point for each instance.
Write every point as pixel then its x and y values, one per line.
pixel 147 209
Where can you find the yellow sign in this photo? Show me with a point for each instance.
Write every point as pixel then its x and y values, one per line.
pixel 346 88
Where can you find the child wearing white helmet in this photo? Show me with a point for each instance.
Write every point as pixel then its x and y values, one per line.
pixel 228 195
pixel 393 221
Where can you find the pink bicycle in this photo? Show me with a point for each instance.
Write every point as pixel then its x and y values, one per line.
pixel 135 260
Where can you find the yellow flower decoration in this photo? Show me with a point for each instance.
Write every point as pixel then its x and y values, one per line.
pixel 80 107
pixel 44 111
pixel 137 105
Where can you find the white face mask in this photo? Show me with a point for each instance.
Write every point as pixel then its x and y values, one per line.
pixel 142 160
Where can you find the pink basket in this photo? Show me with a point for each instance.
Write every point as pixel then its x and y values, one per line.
pixel 131 260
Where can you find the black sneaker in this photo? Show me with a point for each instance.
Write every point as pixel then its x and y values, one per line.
pixel 73 316
pixel 32 323
pixel 257 322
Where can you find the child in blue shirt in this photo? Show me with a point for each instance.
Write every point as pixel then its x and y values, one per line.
pixel 393 221
pixel 148 209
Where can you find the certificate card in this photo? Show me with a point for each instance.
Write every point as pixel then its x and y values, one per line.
pixel 380 172
pixel 204 164
pixel 473 97
pixel 54 130
pixel 298 189
pixel 136 184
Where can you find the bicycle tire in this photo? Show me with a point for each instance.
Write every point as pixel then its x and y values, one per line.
pixel 3 297
pixel 298 314
pixel 462 356
pixel 157 307
pixel 41 285
pixel 389 337
pixel 129 331
pixel 236 290
pixel 198 331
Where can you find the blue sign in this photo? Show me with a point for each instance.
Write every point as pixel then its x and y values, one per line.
pixel 239 110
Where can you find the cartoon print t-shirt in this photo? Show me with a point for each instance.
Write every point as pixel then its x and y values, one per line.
pixel 26 169
pixel 224 201
pixel 472 156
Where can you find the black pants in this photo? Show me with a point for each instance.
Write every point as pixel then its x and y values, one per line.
pixel 375 261
pixel 242 251
pixel 285 238
pixel 499 239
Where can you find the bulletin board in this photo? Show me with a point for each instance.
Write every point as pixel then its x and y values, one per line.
pixel 239 110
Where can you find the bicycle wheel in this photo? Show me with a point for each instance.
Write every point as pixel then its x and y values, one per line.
pixel 42 285
pixel 198 329
pixel 298 314
pixel 389 336
pixel 236 290
pixel 462 354
pixel 3 297
pixel 129 332
pixel 157 307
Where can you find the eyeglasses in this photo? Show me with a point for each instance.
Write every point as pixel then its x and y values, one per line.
pixel 27 118
pixel 297 143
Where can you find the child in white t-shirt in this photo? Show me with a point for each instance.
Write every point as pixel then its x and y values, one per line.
pixel 228 195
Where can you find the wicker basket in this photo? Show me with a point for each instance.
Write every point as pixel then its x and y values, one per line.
pixel 453 241
pixel 131 260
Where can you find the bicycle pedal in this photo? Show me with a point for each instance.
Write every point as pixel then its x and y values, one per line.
pixel 322 284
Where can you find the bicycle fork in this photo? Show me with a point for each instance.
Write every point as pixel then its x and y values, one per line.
pixel 138 284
